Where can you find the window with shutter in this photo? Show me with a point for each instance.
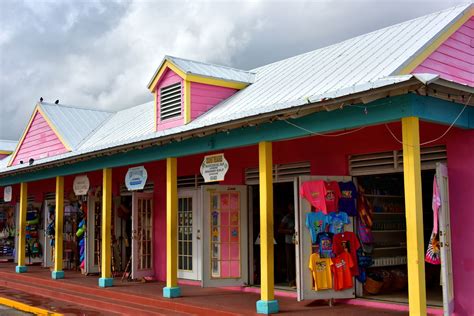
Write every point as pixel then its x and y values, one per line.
pixel 170 101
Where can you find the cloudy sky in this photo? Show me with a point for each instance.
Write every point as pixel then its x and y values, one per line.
pixel 101 54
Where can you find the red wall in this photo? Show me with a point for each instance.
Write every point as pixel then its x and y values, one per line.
pixel 461 197
pixel 40 142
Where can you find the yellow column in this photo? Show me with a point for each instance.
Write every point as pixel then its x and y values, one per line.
pixel 267 303
pixel 58 272
pixel 414 216
pixel 106 279
pixel 20 268
pixel 171 290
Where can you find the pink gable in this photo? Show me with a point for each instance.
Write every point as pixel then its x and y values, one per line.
pixel 168 78
pixel 2 156
pixel 39 142
pixel 204 97
pixel 454 59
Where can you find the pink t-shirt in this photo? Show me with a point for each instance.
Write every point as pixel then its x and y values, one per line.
pixel 333 193
pixel 435 204
pixel 315 193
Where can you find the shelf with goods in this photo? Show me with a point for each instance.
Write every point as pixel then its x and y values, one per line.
pixel 7 231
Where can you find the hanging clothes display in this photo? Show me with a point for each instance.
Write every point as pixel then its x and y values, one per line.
pixel 7 232
pixel 433 253
pixel 321 272
pixel 316 222
pixel 347 201
pixel 342 266
pixel 333 194
pixel 315 193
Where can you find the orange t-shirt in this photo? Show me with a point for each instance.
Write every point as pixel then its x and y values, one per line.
pixel 321 269
pixel 341 268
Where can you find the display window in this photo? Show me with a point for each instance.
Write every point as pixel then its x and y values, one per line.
pixel 8 214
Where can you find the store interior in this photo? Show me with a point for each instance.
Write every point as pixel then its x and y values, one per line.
pixel 283 218
pixel 387 278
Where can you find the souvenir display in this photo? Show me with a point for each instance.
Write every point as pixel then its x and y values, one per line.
pixel 7 231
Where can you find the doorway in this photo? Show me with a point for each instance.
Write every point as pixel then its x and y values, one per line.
pixel 284 235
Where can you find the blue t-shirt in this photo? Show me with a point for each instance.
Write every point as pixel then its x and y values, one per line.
pixel 316 223
pixel 324 240
pixel 347 201
pixel 337 220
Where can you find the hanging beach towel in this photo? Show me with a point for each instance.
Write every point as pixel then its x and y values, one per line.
pixel 433 252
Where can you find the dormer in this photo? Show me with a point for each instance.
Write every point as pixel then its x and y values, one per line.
pixel 186 89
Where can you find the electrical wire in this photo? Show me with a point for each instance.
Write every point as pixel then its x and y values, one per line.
pixel 442 135
pixel 325 135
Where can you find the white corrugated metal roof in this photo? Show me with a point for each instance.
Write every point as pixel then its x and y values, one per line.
pixel 356 65
pixel 74 124
pixel 8 145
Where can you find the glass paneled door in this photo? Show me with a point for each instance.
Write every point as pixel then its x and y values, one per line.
pixel 93 235
pixel 225 237
pixel 142 235
pixel 189 235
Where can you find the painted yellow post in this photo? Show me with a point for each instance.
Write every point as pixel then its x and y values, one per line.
pixel 267 303
pixel 414 216
pixel 171 290
pixel 58 272
pixel 21 267
pixel 106 279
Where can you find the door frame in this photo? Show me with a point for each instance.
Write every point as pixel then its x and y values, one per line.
pixel 90 236
pixel 196 273
pixel 134 269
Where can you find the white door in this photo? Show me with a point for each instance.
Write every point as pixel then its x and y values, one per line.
pixel 93 235
pixel 445 239
pixel 189 235
pixel 225 237
pixel 48 256
pixel 142 235
pixel 304 279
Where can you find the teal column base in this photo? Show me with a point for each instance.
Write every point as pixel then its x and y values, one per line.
pixel 56 275
pixel 267 307
pixel 21 269
pixel 171 292
pixel 106 282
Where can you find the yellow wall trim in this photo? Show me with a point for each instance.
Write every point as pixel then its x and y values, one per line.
pixel 420 58
pixel 187 102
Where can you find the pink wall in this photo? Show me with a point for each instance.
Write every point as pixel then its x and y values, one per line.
pixel 3 156
pixel 461 190
pixel 39 142
pixel 169 78
pixel 204 97
pixel 454 59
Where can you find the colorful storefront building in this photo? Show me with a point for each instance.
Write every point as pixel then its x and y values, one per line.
pixel 208 184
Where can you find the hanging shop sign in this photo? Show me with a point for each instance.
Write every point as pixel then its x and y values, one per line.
pixel 7 194
pixel 135 179
pixel 81 185
pixel 214 168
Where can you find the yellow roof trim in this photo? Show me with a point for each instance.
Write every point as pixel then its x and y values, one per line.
pixel 194 78
pixel 5 152
pixel 35 111
pixel 420 58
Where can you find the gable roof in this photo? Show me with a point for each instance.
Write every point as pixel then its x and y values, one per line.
pixel 357 65
pixel 192 70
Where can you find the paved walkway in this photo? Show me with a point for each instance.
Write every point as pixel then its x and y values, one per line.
pixel 136 298
pixel 8 311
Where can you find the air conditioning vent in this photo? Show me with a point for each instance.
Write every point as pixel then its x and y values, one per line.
pixel 170 101
pixel 281 172
pixel 392 161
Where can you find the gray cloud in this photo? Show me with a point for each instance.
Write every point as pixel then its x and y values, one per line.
pixel 101 54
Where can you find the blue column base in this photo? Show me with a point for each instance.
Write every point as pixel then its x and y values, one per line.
pixel 267 307
pixel 21 269
pixel 106 282
pixel 56 275
pixel 171 292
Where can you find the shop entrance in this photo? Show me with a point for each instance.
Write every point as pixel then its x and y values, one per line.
pixel 387 278
pixel 284 213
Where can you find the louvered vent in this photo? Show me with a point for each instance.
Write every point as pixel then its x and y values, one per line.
pixel 49 196
pixel 281 172
pixel 149 187
pixel 193 181
pixel 170 101
pixel 392 161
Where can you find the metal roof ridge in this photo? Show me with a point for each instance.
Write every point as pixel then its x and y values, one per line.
pixel 73 107
pixel 169 57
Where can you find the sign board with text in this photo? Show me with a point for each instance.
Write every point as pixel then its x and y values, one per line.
pixel 214 168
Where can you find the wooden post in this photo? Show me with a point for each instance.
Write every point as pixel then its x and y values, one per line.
pixel 58 272
pixel 171 290
pixel 21 267
pixel 106 279
pixel 414 216
pixel 267 303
